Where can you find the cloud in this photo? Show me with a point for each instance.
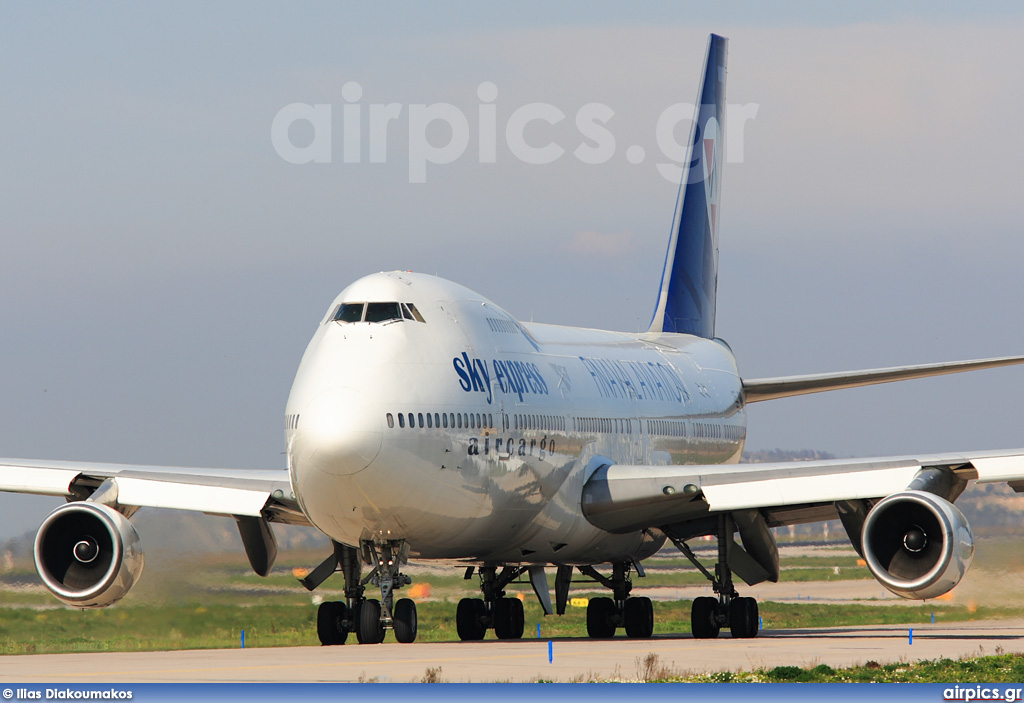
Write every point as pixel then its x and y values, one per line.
pixel 593 243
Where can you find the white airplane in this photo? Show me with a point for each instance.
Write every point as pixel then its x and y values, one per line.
pixel 426 421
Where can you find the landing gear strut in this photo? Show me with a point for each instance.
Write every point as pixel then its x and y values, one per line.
pixel 709 615
pixel 475 616
pixel 335 619
pixel 400 615
pixel 368 618
pixel 605 615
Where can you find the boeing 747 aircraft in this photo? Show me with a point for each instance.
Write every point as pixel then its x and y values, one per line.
pixel 426 422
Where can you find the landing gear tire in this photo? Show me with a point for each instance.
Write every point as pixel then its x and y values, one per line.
pixel 509 620
pixel 743 620
pixel 369 628
pixel 468 619
pixel 600 618
pixel 330 622
pixel 639 617
pixel 703 614
pixel 405 621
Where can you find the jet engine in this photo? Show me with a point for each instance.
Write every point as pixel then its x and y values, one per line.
pixel 917 544
pixel 88 554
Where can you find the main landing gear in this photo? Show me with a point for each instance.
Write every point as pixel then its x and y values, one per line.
pixel 605 615
pixel 709 615
pixel 475 616
pixel 368 618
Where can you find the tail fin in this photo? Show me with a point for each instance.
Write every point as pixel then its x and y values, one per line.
pixel 689 281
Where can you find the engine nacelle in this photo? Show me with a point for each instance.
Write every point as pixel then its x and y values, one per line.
pixel 88 554
pixel 917 544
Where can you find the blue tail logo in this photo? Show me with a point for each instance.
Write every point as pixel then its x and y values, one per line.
pixel 689 280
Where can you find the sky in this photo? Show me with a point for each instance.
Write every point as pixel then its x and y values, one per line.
pixel 163 266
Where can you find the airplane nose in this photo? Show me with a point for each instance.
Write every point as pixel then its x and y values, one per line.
pixel 337 434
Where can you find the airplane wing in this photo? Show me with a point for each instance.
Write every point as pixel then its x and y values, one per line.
pixel 688 501
pixel 622 498
pixel 755 390
pixel 257 493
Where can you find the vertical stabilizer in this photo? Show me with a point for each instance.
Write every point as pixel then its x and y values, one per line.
pixel 686 300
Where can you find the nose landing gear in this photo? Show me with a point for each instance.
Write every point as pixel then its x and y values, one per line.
pixel 368 618
pixel 400 616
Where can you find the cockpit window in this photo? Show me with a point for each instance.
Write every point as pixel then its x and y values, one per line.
pixel 381 312
pixel 415 313
pixel 376 312
pixel 349 312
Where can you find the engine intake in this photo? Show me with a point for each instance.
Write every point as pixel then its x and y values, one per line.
pixel 917 544
pixel 88 554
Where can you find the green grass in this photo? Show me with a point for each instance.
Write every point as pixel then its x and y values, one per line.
pixel 192 626
pixel 1000 668
pixel 147 628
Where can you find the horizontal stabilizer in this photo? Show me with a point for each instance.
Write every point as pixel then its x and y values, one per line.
pixel 756 390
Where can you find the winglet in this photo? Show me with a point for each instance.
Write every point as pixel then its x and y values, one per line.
pixel 689 279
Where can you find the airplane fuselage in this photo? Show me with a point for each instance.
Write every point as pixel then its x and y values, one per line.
pixel 429 414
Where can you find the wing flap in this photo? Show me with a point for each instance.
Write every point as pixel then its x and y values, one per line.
pixel 149 493
pixel 248 492
pixel 804 489
pixel 34 479
pixel 999 468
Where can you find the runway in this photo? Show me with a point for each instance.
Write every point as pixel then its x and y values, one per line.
pixel 524 660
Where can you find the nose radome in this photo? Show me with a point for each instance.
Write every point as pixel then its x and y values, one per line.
pixel 338 433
